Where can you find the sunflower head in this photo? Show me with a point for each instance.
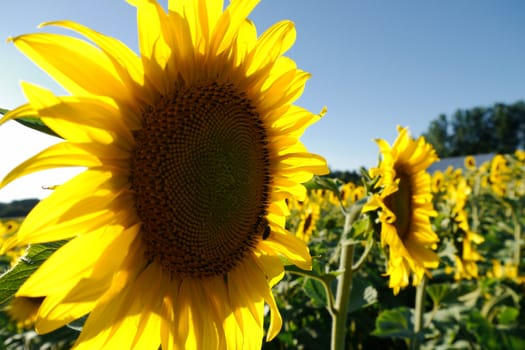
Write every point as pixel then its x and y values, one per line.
pixel 438 182
pixel 309 217
pixel 191 149
pixel 8 229
pixel 404 200
pixel 507 271
pixel 520 155
pixel 499 176
pixel 470 163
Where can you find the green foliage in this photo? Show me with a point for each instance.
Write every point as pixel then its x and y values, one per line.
pixel 17 208
pixel 11 280
pixel 476 309
pixel 17 337
pixel 496 129
pixel 395 323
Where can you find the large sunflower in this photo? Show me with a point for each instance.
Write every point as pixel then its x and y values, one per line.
pixel 405 204
pixel 176 226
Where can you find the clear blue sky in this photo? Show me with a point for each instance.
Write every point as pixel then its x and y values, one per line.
pixel 375 64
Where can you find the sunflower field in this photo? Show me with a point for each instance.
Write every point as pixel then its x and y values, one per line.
pixel 201 221
pixel 473 299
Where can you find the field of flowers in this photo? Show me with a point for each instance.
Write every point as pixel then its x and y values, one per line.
pixel 472 300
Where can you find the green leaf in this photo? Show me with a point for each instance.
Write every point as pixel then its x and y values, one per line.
pixel 34 123
pixel 508 315
pixel 483 331
pixel 361 226
pixel 395 323
pixel 315 290
pixel 437 292
pixel 12 279
pixel 362 294
pixel 324 183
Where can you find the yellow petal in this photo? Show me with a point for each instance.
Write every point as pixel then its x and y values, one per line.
pixel 272 44
pixel 63 154
pixel 295 121
pixel 272 267
pixel 84 203
pixel 153 45
pixel 245 41
pixel 130 320
pixel 284 90
pixel 229 23
pixel 194 329
pixel 79 119
pixel 297 163
pixel 61 56
pixel 293 248
pixel 126 62
pixel 94 256
pixel 261 285
pixel 24 110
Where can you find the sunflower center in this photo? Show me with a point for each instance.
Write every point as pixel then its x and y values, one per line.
pixel 400 203
pixel 201 178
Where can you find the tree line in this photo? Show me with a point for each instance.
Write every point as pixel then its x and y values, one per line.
pixel 17 208
pixel 496 129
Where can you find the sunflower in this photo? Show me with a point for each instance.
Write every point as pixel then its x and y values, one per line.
pixel 404 201
pixel 309 216
pixel 438 182
pixel 350 193
pixel 466 240
pixel 176 227
pixel 507 271
pixel 470 163
pixel 467 260
pixel 499 174
pixel 8 229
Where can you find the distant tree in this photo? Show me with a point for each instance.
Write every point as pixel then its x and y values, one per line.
pixel 18 208
pixel 438 135
pixel 499 129
pixel 346 176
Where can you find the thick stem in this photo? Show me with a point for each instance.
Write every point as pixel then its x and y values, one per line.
pixel 344 282
pixel 419 312
pixel 344 286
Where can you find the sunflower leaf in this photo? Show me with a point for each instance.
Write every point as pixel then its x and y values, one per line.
pixel 324 183
pixel 12 279
pixel 395 323
pixel 507 315
pixel 315 290
pixel 438 292
pixel 362 295
pixel 34 123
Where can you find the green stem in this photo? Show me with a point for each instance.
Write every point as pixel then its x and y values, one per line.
pixel 344 282
pixel 344 286
pixel 419 312
pixel 363 257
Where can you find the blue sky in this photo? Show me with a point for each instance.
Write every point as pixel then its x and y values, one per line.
pixel 374 64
